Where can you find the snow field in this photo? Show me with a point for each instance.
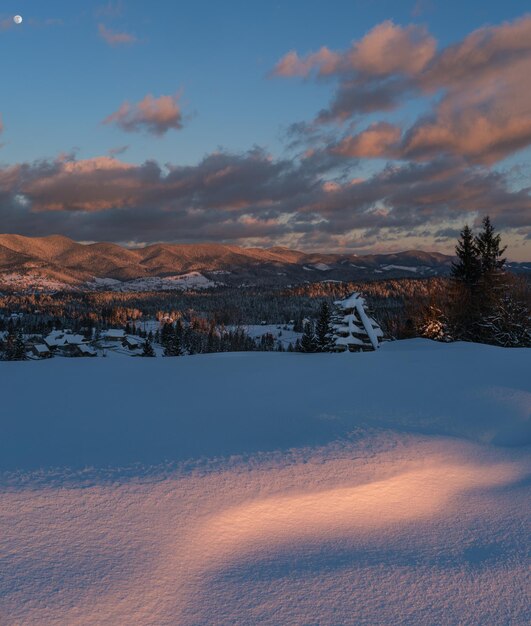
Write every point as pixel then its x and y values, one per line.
pixel 378 488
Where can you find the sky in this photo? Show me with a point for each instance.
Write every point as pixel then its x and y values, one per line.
pixel 359 125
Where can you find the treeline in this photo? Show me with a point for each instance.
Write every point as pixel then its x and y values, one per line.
pixel 480 301
pixel 391 301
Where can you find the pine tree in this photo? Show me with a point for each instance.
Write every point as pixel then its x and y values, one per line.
pixel 15 349
pixel 173 345
pixel 20 348
pixel 467 269
pixel 147 349
pixel 308 341
pixel 323 329
pixel 166 334
pixel 489 250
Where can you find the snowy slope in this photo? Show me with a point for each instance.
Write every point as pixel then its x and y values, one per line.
pixel 376 488
pixel 180 282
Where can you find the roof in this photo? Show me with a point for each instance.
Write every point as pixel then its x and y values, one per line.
pixel 116 333
pixel 87 349
pixel 40 347
pixel 63 338
pixel 134 340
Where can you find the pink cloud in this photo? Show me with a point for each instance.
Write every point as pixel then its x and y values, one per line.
pixel 291 64
pixel 378 140
pixel 100 183
pixel 235 196
pixel 484 110
pixel 114 38
pixel 384 50
pixel 154 115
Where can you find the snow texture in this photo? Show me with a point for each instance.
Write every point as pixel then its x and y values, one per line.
pixel 345 323
pixel 387 487
pixel 179 282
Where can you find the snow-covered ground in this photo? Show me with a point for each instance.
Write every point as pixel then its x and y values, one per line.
pixel 179 282
pixel 31 281
pixel 267 488
pixel 282 333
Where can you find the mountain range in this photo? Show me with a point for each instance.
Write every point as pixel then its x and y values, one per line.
pixel 59 261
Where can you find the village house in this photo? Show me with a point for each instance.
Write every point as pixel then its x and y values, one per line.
pixel 67 343
pixel 114 334
pixel 131 342
pixel 39 351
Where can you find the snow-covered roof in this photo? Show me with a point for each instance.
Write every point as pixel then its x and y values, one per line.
pixel 114 333
pixel 350 322
pixel 40 347
pixel 350 302
pixel 59 338
pixel 133 340
pixel 87 349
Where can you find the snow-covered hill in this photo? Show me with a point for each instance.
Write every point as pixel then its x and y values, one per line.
pixel 389 487
pixel 180 282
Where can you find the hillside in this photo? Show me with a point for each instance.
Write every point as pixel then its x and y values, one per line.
pixel 27 262
pixel 268 489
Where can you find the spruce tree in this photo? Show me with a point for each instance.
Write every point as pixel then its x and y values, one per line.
pixel 467 269
pixel 15 349
pixel 308 341
pixel 147 349
pixel 20 348
pixel 173 345
pixel 493 282
pixel 166 334
pixel 489 250
pixel 323 329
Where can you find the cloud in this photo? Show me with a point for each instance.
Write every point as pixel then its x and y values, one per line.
pixel 483 108
pixel 252 198
pixel 6 23
pixel 153 115
pixel 324 61
pixel 379 139
pixel 115 38
pixel 386 49
pixel 117 150
pixel 485 111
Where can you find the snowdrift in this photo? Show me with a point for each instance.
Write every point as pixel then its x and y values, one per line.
pixel 389 487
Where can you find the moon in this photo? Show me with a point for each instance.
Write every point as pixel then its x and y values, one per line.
pixel 17 19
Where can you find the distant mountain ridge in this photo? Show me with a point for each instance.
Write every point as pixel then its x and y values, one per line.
pixel 62 260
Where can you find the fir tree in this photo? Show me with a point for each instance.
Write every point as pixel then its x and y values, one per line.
pixel 15 349
pixel 173 345
pixel 467 269
pixel 147 349
pixel 308 341
pixel 323 329
pixel 489 250
pixel 166 334
pixel 20 348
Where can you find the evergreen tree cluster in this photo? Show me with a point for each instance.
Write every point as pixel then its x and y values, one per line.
pixel 318 337
pixel 14 348
pixel 487 304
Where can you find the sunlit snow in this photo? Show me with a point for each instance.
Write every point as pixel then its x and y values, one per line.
pixel 388 487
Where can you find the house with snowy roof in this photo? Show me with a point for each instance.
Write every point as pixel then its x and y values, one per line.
pixel 67 343
pixel 40 351
pixel 62 338
pixel 114 334
pixel 132 342
pixel 352 328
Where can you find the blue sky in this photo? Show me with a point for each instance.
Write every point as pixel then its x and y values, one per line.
pixel 62 79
